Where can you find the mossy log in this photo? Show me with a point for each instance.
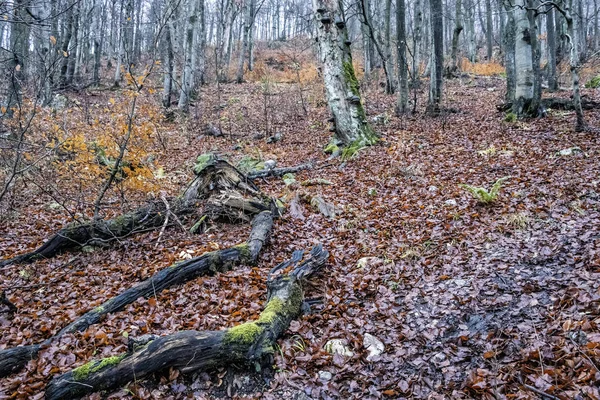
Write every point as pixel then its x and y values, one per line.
pixel 228 194
pixel 12 360
pixel 250 343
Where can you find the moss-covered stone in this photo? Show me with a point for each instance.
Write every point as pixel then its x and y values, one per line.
pixel 85 370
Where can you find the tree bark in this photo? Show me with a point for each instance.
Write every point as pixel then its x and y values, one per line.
pixel 510 33
pixel 489 31
pixel 524 87
pixel 551 35
pixel 401 57
pixel 342 88
pixel 458 27
pixel 437 64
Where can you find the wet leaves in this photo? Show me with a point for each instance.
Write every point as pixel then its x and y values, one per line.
pixel 467 300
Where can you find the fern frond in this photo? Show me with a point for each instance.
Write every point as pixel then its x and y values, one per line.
pixel 481 194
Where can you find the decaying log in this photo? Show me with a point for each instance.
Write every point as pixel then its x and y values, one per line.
pixel 556 103
pixel 278 171
pixel 249 343
pixel 12 360
pixel 227 192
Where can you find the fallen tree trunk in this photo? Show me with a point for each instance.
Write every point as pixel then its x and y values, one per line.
pixel 227 192
pixel 12 360
pixel 229 195
pixel 188 351
pixel 556 103
pixel 278 171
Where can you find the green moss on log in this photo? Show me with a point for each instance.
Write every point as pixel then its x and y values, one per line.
pixel 81 373
pixel 276 308
pixel 245 253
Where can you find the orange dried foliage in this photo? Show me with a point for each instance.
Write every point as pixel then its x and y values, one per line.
pixel 484 69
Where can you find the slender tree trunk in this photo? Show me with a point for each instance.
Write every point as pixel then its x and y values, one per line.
pixel 388 47
pixel 417 35
pixel 187 79
pixel 535 58
pixel 168 61
pixel 246 25
pixel 489 32
pixel 471 38
pixel 389 82
pixel 551 35
pixel 437 65
pixel 458 27
pixel 574 67
pixel 510 32
pixel 367 40
pixel 401 57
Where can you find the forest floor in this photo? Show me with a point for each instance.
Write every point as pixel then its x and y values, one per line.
pixel 471 301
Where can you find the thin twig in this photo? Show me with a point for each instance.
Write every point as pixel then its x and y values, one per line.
pixel 167 212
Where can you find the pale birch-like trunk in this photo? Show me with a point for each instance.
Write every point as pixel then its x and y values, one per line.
pixel 341 86
pixel 551 42
pixel 471 38
pixel 417 36
pixel 524 83
pixel 187 79
pixel 510 32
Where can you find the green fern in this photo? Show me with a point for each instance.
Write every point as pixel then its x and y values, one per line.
pixel 482 195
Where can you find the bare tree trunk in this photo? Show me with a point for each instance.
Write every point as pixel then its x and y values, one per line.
pixel 458 27
pixel 417 36
pixel 401 57
pixel 367 40
pixel 342 88
pixel 200 67
pixel 510 32
pixel 19 47
pixel 551 35
pixel 574 67
pixel 247 24
pixel 489 32
pixel 168 61
pixel 187 79
pixel 437 65
pixel 524 88
pixel 471 38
